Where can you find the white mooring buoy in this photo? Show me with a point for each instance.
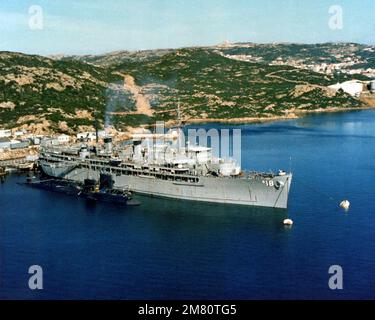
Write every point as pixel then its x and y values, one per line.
pixel 288 222
pixel 345 204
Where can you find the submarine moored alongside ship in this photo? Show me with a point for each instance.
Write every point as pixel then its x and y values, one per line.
pixel 90 189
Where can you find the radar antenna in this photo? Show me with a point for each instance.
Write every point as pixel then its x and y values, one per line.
pixel 179 127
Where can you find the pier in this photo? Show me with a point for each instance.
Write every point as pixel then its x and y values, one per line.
pixel 21 163
pixel 24 159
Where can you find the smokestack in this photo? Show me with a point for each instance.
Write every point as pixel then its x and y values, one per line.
pixel 96 130
pixel 108 144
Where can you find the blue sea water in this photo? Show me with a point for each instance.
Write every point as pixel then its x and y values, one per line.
pixel 166 249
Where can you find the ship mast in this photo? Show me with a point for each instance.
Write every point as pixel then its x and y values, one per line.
pixel 179 125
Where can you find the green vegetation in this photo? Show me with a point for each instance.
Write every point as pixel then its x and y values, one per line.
pixel 210 85
pixel 50 89
pixel 203 81
pixel 121 121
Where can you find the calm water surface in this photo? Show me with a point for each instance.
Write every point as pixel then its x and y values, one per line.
pixel 175 249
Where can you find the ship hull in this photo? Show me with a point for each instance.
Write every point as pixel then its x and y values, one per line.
pixel 255 191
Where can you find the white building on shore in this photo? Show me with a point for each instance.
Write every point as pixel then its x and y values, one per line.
pixel 63 138
pixel 352 87
pixel 5 133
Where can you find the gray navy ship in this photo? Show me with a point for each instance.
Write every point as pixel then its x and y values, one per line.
pixel 169 169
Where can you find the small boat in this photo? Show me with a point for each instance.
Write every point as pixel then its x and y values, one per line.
pixel 25 166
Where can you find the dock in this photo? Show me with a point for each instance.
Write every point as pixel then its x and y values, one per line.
pixel 22 163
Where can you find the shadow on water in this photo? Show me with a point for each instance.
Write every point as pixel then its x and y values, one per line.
pixel 259 129
pixel 210 215
pixel 320 124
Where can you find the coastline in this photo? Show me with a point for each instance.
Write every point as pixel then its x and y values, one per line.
pixel 247 120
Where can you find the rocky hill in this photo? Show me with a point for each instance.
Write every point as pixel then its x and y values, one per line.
pixel 50 95
pixel 131 88
pixel 349 55
pixel 209 86
pixel 117 57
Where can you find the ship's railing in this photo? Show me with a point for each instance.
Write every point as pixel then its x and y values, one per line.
pixel 106 162
pixel 118 170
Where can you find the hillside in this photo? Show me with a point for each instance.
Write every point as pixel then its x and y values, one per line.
pixel 132 88
pixel 48 94
pixel 208 85
pixel 362 56
pixel 117 57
